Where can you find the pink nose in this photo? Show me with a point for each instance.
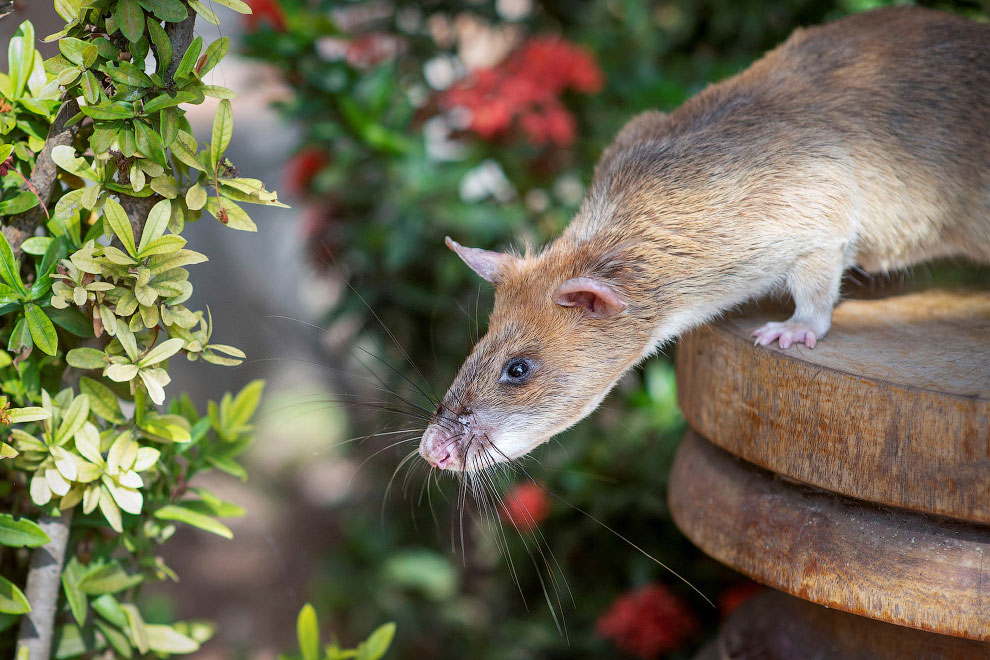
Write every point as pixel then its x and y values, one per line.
pixel 436 447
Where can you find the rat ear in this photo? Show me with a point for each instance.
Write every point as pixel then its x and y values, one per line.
pixel 598 299
pixel 490 265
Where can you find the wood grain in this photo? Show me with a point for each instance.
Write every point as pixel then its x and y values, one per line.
pixel 775 626
pixel 906 568
pixel 892 406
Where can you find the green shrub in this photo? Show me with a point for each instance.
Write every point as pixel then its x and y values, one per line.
pixel 101 172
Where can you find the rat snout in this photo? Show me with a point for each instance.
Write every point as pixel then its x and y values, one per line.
pixel 439 446
pixel 447 438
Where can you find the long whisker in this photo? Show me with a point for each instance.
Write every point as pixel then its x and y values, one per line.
pixel 602 524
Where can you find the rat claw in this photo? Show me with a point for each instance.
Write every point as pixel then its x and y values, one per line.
pixel 787 334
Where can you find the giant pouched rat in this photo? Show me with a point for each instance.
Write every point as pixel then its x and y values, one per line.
pixel 862 142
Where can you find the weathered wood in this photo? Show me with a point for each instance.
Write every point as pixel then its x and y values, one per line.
pixel 775 626
pixel 892 406
pixel 907 568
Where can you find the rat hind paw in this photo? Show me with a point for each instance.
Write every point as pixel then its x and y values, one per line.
pixel 786 334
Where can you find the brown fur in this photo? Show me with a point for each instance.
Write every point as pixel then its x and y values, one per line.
pixel 865 141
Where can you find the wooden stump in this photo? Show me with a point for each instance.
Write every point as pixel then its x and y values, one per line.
pixel 855 475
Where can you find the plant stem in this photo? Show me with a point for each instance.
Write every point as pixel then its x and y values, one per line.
pixel 43 583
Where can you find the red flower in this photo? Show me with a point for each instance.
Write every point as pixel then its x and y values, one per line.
pixel 526 506
pixel 369 50
pixel 265 11
pixel 647 622
pixel 527 86
pixel 302 167
pixel 731 598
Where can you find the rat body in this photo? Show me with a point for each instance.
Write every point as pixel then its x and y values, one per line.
pixel 862 142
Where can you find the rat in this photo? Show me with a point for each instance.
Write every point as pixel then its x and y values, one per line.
pixel 863 142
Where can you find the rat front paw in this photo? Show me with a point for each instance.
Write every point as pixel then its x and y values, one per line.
pixel 786 334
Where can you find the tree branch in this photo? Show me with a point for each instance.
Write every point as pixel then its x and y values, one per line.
pixel 22 226
pixel 181 34
pixel 43 583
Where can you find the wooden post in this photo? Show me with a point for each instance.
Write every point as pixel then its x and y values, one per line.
pixel 855 475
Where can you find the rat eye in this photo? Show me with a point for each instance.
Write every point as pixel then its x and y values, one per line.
pixel 517 371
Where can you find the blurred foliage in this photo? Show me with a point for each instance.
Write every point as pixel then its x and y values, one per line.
pixel 390 165
pixel 308 635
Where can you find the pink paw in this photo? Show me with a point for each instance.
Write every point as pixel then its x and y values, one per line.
pixel 786 334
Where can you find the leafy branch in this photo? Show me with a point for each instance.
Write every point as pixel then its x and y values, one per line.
pixel 93 285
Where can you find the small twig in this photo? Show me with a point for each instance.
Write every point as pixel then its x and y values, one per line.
pixel 43 584
pixel 44 207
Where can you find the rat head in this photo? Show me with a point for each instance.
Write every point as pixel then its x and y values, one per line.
pixel 560 334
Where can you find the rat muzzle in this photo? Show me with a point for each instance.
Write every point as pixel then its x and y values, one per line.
pixel 447 440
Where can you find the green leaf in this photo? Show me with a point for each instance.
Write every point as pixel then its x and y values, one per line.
pixel 162 43
pixel 36 245
pixel 73 320
pixel 196 197
pixel 170 126
pixel 65 157
pixel 108 579
pixel 130 19
pixel 117 639
pixel 206 523
pixel 165 262
pixel 161 352
pixel 165 639
pixel 9 268
pixel 172 11
pixel 308 633
pixel 12 599
pixel 189 59
pixel 20 337
pixel 29 414
pixel 109 608
pixel 237 217
pixel 377 644
pixel 72 419
pixel 22 201
pixel 86 358
pixel 237 5
pixel 102 400
pixel 205 12
pixel 223 129
pixel 166 186
pixel 42 331
pixel 21 533
pixel 136 627
pixel 20 58
pixel 157 223
pixel 77 600
pixel 149 143
pixel 114 111
pixel 72 49
pixel 163 245
pixel 126 73
pixel 116 217
pixel 214 53
pixel 243 407
pixel 167 101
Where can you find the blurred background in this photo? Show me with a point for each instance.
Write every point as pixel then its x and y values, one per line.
pixel 388 125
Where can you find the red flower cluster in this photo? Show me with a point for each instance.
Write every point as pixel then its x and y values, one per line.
pixel 265 11
pixel 647 622
pixel 302 167
pixel 528 86
pixel 526 506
